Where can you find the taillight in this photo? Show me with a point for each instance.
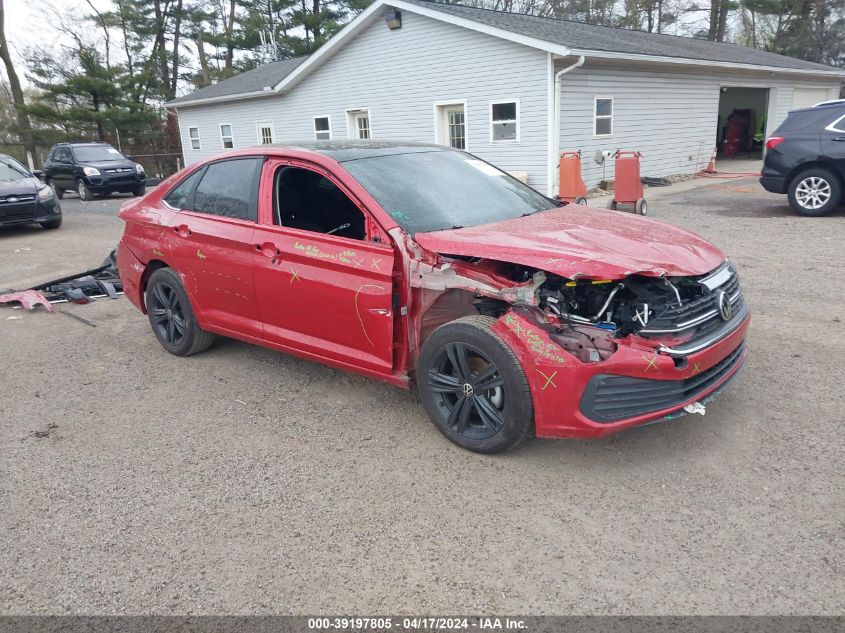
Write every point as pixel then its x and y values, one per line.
pixel 773 142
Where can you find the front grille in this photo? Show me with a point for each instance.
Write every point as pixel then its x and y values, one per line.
pixel 16 199
pixel 17 212
pixel 609 398
pixel 119 170
pixel 701 315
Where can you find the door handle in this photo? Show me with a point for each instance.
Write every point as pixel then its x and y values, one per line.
pixel 839 138
pixel 182 230
pixel 268 249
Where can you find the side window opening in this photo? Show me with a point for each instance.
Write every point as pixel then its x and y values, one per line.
pixel 229 189
pixel 178 196
pixel 307 200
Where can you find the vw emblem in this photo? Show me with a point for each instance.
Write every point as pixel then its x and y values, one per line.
pixel 726 310
pixel 12 199
pixel 468 390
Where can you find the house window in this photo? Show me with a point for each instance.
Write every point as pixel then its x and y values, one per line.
pixel 226 136
pixel 504 121
pixel 359 124
pixel 450 120
pixel 194 134
pixel 602 116
pixel 265 133
pixel 322 128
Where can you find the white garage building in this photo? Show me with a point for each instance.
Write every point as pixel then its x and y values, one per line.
pixel 514 89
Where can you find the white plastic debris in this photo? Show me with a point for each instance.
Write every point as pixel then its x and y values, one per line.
pixel 14 318
pixel 695 407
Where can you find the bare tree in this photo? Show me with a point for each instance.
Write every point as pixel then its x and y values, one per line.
pixel 15 87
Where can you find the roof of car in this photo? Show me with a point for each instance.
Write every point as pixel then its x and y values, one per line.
pixel 351 150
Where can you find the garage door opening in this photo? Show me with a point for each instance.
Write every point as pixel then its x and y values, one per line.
pixel 742 122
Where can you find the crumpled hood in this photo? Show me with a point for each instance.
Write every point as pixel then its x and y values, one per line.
pixel 582 242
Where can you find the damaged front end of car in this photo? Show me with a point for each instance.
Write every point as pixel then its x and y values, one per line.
pixel 617 352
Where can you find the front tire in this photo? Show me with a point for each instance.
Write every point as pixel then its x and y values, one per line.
pixel 581 200
pixel 612 205
pixel 139 191
pixel 473 387
pixel 814 192
pixel 84 192
pixel 171 316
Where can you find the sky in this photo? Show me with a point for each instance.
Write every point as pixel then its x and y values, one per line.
pixel 33 22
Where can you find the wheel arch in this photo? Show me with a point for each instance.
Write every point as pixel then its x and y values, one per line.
pixel 152 266
pixel 817 163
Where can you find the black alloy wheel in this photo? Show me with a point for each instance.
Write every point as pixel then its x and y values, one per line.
pixel 473 387
pixel 473 391
pixel 171 316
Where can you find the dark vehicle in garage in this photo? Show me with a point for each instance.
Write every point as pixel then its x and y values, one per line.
pixel 513 313
pixel 805 159
pixel 24 199
pixel 92 168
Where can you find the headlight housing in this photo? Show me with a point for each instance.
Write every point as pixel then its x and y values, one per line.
pixel 139 168
pixel 45 193
pixel 90 171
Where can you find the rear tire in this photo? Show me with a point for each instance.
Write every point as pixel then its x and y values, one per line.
pixel 612 205
pixel 814 192
pixel 60 193
pixel 581 200
pixel 171 316
pixel 473 387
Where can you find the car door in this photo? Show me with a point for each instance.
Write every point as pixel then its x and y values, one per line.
pixel 211 243
pixel 833 141
pixel 324 287
pixel 63 169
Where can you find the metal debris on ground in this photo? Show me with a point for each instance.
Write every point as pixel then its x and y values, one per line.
pixel 77 317
pixel 83 287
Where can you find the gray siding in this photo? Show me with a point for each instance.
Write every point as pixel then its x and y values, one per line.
pixel 399 75
pixel 671 117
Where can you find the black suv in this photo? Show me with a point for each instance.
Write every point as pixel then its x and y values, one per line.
pixel 92 168
pixel 805 158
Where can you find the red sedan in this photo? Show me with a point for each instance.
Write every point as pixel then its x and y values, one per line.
pixel 514 314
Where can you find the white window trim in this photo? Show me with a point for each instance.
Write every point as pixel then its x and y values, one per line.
pixel 351 129
pixel 191 139
pixel 438 121
pixel 834 127
pixel 597 117
pixel 230 137
pixel 505 141
pixel 329 118
pixel 266 123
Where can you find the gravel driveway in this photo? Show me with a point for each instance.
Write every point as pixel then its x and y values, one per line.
pixel 244 481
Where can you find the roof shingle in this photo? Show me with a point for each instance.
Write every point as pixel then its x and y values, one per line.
pixel 591 37
pixel 250 81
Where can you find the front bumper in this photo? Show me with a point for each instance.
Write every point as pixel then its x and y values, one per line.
pixel 564 389
pixel 121 183
pixel 29 212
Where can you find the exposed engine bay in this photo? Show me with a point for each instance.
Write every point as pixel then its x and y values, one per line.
pixel 586 316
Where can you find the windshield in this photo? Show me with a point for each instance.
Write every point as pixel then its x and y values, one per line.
pixel 10 169
pixel 435 190
pixel 96 153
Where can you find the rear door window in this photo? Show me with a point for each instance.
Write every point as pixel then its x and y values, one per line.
pixel 229 189
pixel 180 194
